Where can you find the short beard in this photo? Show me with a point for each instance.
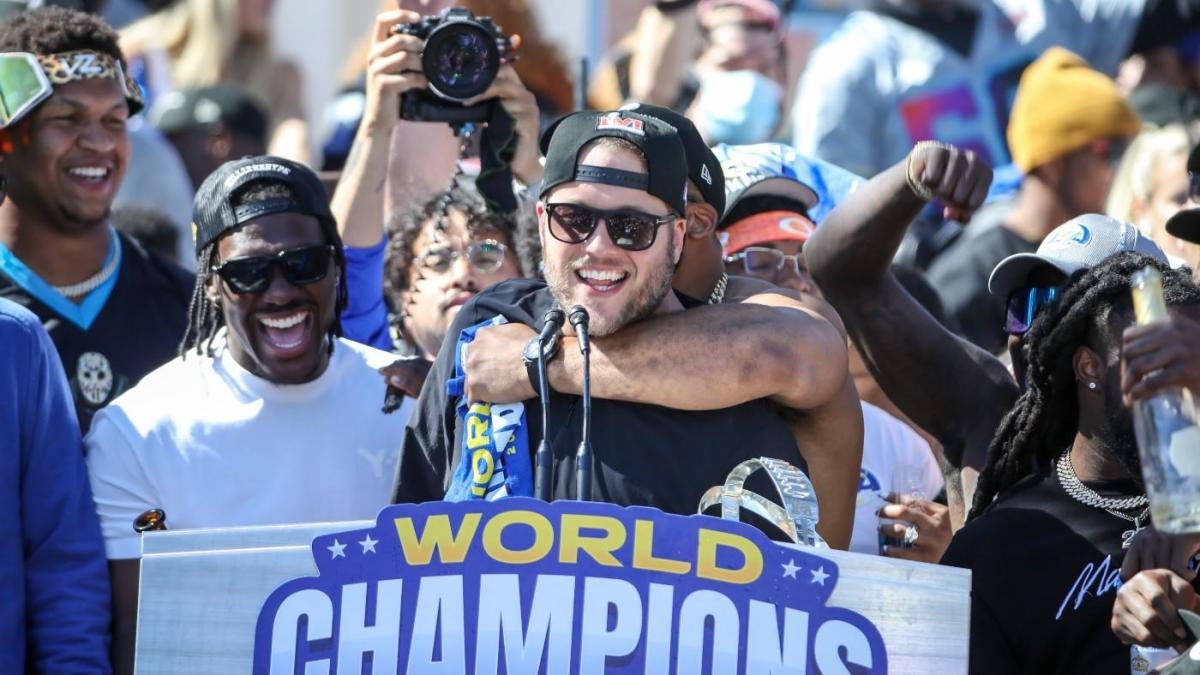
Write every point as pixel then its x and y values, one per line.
pixel 1117 429
pixel 645 300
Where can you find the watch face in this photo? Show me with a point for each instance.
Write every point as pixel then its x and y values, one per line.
pixel 531 349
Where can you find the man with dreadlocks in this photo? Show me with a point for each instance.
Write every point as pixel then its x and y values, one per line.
pixel 266 405
pixel 1060 497
pixel 114 310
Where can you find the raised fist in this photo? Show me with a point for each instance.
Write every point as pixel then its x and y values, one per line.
pixel 957 177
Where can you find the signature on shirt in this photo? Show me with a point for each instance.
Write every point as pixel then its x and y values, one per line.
pixel 1094 581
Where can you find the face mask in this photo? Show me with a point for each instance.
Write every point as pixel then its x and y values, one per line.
pixel 738 107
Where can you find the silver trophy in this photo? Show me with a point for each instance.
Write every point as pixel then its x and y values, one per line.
pixel 797 517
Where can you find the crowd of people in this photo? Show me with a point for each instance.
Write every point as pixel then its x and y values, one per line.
pixel 905 269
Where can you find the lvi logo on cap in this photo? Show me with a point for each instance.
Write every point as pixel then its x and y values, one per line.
pixel 1076 233
pixel 620 123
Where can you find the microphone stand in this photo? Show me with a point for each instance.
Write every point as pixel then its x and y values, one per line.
pixel 544 459
pixel 584 458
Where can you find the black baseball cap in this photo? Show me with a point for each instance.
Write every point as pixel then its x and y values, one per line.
pixel 213 213
pixel 1186 223
pixel 195 108
pixel 666 159
pixel 703 167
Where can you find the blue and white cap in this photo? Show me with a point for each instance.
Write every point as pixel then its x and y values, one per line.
pixel 775 168
pixel 761 169
pixel 1079 243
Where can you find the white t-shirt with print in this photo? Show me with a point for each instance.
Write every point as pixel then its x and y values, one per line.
pixel 213 445
pixel 888 445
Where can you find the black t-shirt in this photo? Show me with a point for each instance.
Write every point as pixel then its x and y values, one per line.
pixel 1045 572
pixel 961 276
pixel 137 330
pixel 644 454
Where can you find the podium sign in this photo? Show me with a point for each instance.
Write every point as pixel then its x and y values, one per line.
pixel 521 586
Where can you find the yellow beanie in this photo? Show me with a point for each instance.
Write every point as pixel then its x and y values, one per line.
pixel 1063 105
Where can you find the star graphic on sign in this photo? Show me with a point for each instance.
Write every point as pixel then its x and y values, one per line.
pixel 819 575
pixel 338 549
pixel 789 570
pixel 368 544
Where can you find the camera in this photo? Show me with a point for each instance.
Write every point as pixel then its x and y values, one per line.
pixel 461 57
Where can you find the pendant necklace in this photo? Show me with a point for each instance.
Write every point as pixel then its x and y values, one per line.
pixel 1113 505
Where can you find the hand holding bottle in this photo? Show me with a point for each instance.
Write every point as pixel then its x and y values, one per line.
pixel 1165 419
pixel 1160 356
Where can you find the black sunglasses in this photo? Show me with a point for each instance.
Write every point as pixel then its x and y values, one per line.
pixel 630 230
pixel 252 274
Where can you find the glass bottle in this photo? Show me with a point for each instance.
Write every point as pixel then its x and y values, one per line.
pixel 1168 437
pixel 153 520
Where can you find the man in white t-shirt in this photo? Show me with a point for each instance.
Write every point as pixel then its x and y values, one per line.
pixel 896 461
pixel 267 416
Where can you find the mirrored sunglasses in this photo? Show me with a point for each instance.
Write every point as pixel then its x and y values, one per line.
pixel 1024 306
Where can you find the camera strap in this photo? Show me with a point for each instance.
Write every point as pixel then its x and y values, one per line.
pixel 497 148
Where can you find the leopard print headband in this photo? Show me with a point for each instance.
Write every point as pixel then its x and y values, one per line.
pixel 86 64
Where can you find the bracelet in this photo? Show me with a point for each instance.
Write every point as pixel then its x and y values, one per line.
pixel 920 189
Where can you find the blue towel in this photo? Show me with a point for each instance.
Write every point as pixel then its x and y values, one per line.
pixel 495 454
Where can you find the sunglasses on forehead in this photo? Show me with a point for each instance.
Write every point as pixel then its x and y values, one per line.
pixel 252 274
pixel 629 229
pixel 1025 305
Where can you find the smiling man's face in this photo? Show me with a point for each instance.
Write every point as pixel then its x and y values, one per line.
pixel 616 285
pixel 278 334
pixel 68 157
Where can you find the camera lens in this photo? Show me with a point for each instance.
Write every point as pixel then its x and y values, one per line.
pixel 461 60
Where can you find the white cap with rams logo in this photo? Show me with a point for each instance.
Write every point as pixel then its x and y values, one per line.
pixel 1079 243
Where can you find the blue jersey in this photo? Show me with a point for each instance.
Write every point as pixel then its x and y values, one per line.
pixel 54 611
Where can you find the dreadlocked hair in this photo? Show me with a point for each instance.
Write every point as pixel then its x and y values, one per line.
pixel 1045 418
pixel 204 316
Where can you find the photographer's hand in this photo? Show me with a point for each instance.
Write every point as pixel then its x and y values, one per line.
pixel 393 67
pixel 426 6
pixel 522 106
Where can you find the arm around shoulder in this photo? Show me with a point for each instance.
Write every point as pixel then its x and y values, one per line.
pixel 768 348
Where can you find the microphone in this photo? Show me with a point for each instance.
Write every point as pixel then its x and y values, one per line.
pixel 552 323
pixel 583 458
pixel 579 321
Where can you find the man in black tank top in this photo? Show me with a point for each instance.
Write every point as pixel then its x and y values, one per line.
pixel 611 221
